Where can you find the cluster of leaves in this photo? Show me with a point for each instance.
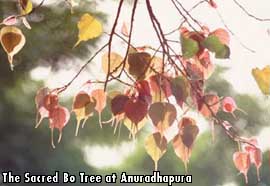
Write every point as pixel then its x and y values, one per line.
pixel 160 87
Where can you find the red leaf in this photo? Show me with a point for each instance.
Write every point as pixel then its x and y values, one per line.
pixel 212 3
pixel 255 154
pixel 136 110
pixel 118 104
pixel 228 105
pixel 58 117
pixel 40 105
pixel 143 89
pixel 188 130
pixel 160 83
pixel 242 163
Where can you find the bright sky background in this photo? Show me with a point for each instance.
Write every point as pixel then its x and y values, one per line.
pixel 249 31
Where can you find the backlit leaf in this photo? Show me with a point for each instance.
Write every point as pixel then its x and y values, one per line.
pixel 242 163
pixel 83 107
pixel 180 89
pixel 58 118
pixel 100 96
pixel 214 44
pixel 209 105
pixel 162 115
pixel 115 63
pixel 156 146
pixel 26 6
pixel 12 40
pixel 138 64
pixel 42 112
pixel 262 78
pixel 188 130
pixel 9 21
pixel 136 110
pixel 189 47
pixel 89 28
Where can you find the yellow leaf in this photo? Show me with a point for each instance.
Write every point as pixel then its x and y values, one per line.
pixel 26 6
pixel 115 63
pixel 83 106
pixel 89 28
pixel 134 129
pixel 156 146
pixel 12 40
pixel 262 78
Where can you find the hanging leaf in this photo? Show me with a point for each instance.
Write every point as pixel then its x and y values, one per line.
pixel 138 63
pixel 144 91
pixel 184 140
pixel 189 47
pixel 89 28
pixel 160 86
pixel 118 104
pixel 26 6
pixel 155 67
pixel 208 105
pixel 222 35
pixel 181 150
pixel 180 89
pixel 214 44
pixel 255 154
pixel 156 146
pixel 262 78
pixel 136 110
pixel 9 21
pixel 12 40
pixel 100 96
pixel 242 163
pixel 162 115
pixel 188 130
pixel 115 63
pixel 228 105
pixel 134 129
pixel 58 118
pixel 83 107
pixel 42 112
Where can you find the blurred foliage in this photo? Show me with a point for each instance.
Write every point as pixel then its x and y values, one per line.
pixel 24 148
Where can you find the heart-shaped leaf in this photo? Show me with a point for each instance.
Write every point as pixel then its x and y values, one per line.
pixel 136 110
pixel 58 118
pixel 100 96
pixel 89 28
pixel 242 163
pixel 262 77
pixel 209 105
pixel 12 40
pixel 162 115
pixel 115 63
pixel 180 89
pixel 188 130
pixel 156 146
pixel 138 64
pixel 83 107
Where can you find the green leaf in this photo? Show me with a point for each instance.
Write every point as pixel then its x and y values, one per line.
pixel 224 53
pixel 189 47
pixel 214 44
